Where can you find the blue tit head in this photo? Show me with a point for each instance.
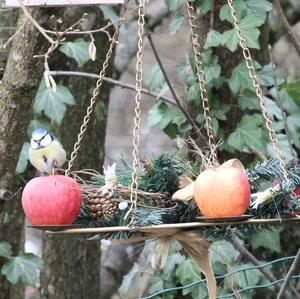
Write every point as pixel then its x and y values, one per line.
pixel 40 138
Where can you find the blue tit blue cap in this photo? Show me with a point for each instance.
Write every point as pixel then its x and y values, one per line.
pixel 39 133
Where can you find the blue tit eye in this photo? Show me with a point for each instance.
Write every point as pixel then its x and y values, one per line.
pixel 46 140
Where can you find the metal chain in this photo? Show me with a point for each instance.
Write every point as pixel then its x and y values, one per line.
pixel 202 82
pixel 137 119
pixel 96 92
pixel 250 66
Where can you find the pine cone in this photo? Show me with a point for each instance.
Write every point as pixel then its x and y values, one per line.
pixel 100 203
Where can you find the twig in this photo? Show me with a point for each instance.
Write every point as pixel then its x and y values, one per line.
pixel 114 82
pixel 35 23
pixel 247 254
pixel 293 268
pixel 102 29
pixel 292 36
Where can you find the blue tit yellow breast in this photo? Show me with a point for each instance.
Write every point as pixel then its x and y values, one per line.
pixel 48 158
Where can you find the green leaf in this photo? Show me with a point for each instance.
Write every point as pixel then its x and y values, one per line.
pixel 267 76
pixel 212 72
pixel 5 249
pixel 53 103
pixel 78 50
pixel 248 133
pixel 223 252
pixel 23 158
pixel 22 268
pixel 213 39
pixel 240 78
pixel 160 115
pixel 172 261
pixel 204 6
pixel 109 13
pixel 188 271
pixel 259 8
pixel 174 5
pixel 269 240
pixel 243 279
pixel 225 12
pixel 230 39
pixel 175 23
pixel 156 78
pixel 248 100
pixel 284 146
pixel 194 93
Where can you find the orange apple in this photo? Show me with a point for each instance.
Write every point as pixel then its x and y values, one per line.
pixel 222 192
pixel 51 200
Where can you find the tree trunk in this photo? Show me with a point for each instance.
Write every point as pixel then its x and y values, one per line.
pixel 17 91
pixel 72 264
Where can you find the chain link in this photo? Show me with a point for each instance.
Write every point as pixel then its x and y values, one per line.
pixel 137 119
pixel 259 93
pixel 96 92
pixel 202 83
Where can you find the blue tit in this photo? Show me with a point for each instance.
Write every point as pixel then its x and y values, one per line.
pixel 46 152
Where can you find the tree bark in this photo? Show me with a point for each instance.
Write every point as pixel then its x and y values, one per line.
pixel 72 264
pixel 17 91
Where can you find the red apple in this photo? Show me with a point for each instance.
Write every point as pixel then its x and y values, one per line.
pixel 51 200
pixel 222 192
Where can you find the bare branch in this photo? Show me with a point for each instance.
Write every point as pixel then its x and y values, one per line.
pixel 291 34
pixel 114 82
pixel 295 265
pixel 250 257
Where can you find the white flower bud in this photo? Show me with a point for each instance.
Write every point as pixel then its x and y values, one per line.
pixel 123 205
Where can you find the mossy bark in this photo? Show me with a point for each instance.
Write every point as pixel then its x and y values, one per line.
pixel 17 91
pixel 72 264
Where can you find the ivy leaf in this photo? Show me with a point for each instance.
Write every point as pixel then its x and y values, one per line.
pixel 259 8
pixel 267 76
pixel 248 133
pixel 22 268
pixel 173 5
pixel 23 158
pixel 269 240
pixel 53 103
pixel 213 39
pixel 5 249
pixel 156 78
pixel 284 146
pixel 78 49
pixel 293 90
pixel 225 12
pixel 175 24
pixel 240 78
pixel 173 260
pixel 243 279
pixel 230 39
pixel 188 271
pixel 212 72
pixel 194 92
pixel 109 13
pixel 204 6
pixel 223 252
pixel 248 100
pixel 160 115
